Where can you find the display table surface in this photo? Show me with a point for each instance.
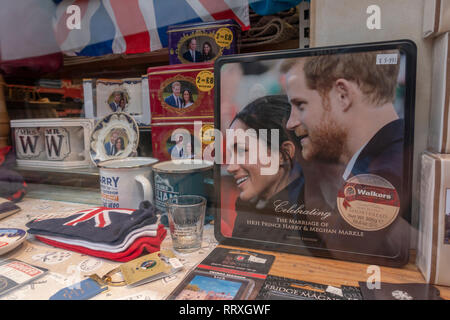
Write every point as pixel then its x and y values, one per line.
pixel 67 267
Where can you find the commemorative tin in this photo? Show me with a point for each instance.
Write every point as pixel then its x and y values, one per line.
pixel 183 177
pixel 355 207
pixel 203 42
pixel 181 92
pixel 58 143
pixel 182 140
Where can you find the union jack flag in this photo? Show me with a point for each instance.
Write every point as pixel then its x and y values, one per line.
pixel 101 216
pixel 135 26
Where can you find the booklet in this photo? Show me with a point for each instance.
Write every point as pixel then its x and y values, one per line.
pixel 279 288
pixel 226 274
pixel 7 208
pixel 15 273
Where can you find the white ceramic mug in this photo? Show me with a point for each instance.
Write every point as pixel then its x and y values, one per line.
pixel 124 183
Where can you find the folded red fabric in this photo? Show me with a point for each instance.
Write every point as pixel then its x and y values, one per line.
pixel 138 247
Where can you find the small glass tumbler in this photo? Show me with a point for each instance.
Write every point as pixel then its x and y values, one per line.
pixel 186 218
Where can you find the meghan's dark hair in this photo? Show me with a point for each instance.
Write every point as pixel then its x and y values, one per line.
pixel 269 112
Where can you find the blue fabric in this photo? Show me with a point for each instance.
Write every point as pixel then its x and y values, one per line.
pixel 102 34
pixel 80 291
pixel 267 7
pixel 166 16
pixel 86 228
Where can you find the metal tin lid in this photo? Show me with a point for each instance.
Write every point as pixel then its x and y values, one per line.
pixel 183 166
pixel 202 25
pixel 128 163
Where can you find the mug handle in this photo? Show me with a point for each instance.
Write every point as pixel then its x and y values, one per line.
pixel 146 186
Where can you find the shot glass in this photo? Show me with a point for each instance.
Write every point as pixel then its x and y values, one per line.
pixel 186 218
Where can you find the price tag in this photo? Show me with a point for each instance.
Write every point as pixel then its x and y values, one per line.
pixel 175 263
pixel 224 37
pixel 205 80
pixel 256 259
pixel 389 58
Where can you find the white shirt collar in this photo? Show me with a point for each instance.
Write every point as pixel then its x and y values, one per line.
pixel 351 163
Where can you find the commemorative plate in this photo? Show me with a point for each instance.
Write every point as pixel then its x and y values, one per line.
pixel 116 136
pixel 10 238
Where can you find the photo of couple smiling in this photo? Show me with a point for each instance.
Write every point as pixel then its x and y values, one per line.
pixel 341 129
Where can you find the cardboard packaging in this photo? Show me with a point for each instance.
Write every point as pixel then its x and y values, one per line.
pixel 212 40
pixel 195 80
pixel 439 129
pixel 436 17
pixel 433 252
pixel 52 143
pixel 99 95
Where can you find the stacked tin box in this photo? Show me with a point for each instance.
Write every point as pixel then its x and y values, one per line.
pixel 433 253
pixel 182 94
pixel 173 117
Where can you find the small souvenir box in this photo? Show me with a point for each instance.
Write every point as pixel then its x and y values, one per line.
pixel 439 134
pixel 57 143
pixel 182 140
pixel 203 42
pixel 183 91
pixel 433 252
pixel 105 96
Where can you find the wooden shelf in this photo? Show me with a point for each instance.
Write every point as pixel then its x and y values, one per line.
pixel 133 65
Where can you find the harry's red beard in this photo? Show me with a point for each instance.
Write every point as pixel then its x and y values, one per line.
pixel 327 141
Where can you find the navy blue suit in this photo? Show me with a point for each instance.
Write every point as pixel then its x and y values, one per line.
pixel 109 148
pixel 170 100
pixel 383 154
pixel 198 56
pixel 113 106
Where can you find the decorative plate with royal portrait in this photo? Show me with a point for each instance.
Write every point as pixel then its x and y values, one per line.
pixel 11 238
pixel 116 136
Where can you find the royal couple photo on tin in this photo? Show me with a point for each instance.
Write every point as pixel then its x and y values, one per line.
pixel 191 53
pixel 180 94
pixel 341 153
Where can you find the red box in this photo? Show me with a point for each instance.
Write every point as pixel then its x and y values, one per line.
pixel 197 78
pixel 165 135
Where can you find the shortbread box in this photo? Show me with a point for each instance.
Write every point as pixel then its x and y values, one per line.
pixel 181 92
pixel 433 252
pixel 183 140
pixel 439 129
pixel 436 17
pixel 203 42
pixel 57 143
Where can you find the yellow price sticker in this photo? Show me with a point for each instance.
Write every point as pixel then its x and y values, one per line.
pixel 207 134
pixel 205 80
pixel 224 37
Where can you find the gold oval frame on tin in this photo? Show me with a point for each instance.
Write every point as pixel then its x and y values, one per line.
pixel 198 33
pixel 179 78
